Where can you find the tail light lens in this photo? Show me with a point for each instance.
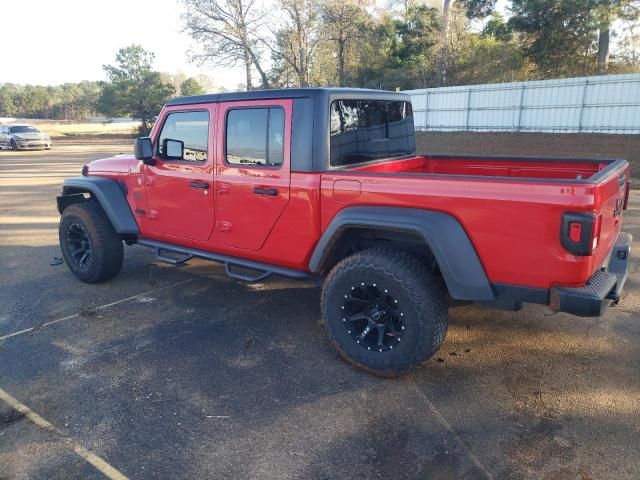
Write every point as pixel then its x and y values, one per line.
pixel 595 235
pixel 580 232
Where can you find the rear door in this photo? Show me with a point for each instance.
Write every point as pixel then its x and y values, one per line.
pixel 253 170
pixel 179 191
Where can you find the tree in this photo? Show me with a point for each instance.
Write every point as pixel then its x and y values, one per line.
pixel 415 47
pixel 343 22
pixel 478 8
pixel 8 95
pixel 297 39
pixel 191 86
pixel 133 87
pixel 497 28
pixel 559 36
pixel 229 32
pixel 482 59
pixel 627 58
pixel 605 13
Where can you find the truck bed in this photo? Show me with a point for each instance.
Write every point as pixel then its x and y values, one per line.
pixel 511 167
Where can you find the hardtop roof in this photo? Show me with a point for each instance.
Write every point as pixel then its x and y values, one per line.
pixel 267 94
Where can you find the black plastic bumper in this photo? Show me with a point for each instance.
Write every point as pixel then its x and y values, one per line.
pixel 603 288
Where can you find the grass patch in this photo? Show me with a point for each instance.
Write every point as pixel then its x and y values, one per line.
pixel 84 130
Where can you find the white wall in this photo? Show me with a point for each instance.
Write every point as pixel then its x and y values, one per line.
pixel 603 104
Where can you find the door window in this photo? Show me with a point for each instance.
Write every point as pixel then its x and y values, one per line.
pixel 255 137
pixel 191 128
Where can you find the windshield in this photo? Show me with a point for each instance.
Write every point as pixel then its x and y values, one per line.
pixel 23 129
pixel 366 130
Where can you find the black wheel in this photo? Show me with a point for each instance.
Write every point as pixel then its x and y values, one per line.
pixel 14 145
pixel 90 246
pixel 385 311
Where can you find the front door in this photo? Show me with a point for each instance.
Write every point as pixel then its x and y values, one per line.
pixel 180 190
pixel 253 170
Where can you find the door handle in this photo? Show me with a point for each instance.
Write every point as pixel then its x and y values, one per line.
pixel 203 185
pixel 272 192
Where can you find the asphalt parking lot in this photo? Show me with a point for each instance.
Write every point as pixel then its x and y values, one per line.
pixel 169 372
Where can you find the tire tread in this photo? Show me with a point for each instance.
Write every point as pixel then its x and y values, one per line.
pixel 425 289
pixel 106 243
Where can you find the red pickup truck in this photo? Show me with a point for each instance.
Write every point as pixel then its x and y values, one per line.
pixel 326 184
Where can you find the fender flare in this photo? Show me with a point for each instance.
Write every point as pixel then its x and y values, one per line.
pixel 457 258
pixel 109 195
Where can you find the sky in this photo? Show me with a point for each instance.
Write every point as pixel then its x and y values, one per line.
pixel 52 42
pixel 49 42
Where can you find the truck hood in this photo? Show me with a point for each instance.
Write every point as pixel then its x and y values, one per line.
pixel 122 163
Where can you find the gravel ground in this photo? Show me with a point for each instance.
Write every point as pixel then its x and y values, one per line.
pixel 170 372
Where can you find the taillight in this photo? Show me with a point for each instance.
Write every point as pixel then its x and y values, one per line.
pixel 580 232
pixel 595 235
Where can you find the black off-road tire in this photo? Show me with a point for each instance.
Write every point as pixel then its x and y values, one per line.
pixel 420 295
pixel 106 249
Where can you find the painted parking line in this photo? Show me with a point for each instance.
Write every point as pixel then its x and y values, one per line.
pixel 100 464
pixel 101 307
pixel 461 443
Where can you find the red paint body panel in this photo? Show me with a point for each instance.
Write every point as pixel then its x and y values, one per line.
pixel 511 209
pixel 246 218
pixel 175 209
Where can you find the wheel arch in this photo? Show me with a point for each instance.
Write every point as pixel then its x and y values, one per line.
pixel 439 233
pixel 110 196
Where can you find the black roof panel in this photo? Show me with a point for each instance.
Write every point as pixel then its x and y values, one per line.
pixel 288 93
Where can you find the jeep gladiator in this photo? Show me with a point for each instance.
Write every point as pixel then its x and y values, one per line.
pixel 326 184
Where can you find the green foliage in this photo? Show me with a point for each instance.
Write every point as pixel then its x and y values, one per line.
pixel 478 8
pixel 482 59
pixel 70 101
pixel 133 87
pixel 559 36
pixel 497 28
pixel 191 86
pixel 399 52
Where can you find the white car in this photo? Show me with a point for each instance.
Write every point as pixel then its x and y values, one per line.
pixel 27 137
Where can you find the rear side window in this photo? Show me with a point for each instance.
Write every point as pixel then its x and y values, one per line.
pixel 366 130
pixel 192 128
pixel 255 137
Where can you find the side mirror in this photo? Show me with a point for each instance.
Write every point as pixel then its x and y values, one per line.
pixel 143 150
pixel 172 149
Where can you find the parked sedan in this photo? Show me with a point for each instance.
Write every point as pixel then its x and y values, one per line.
pixel 26 137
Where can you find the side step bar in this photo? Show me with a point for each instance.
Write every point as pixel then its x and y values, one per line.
pixel 262 270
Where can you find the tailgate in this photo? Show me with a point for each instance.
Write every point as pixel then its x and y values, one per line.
pixel 610 199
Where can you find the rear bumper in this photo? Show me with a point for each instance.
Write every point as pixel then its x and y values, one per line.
pixel 603 288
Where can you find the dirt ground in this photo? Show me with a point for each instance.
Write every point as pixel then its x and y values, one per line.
pixel 588 145
pixel 181 372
